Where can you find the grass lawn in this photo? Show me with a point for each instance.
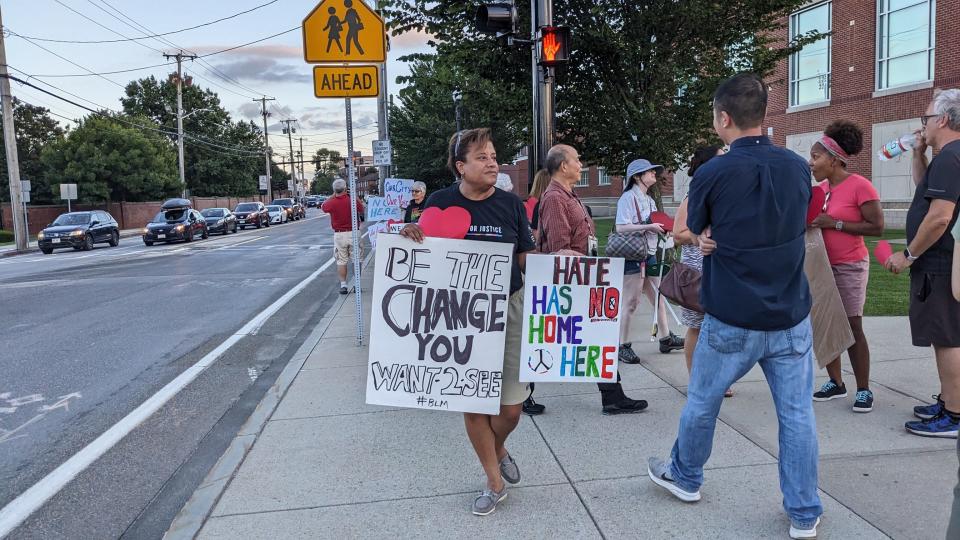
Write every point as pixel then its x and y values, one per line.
pixel 887 294
pixel 6 237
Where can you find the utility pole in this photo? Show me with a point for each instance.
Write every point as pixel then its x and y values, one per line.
pixel 289 131
pixel 303 176
pixel 266 146
pixel 180 57
pixel 10 142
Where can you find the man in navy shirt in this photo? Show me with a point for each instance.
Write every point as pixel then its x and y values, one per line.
pixel 749 207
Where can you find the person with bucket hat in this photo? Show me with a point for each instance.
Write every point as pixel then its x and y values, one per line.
pixel 633 214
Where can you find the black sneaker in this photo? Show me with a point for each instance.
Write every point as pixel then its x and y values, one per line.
pixel 829 391
pixel 627 356
pixel 343 290
pixel 672 342
pixel 625 406
pixel 864 401
pixel 532 408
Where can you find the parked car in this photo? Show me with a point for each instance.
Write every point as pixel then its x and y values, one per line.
pixel 79 230
pixel 175 221
pixel 220 220
pixel 294 210
pixel 252 214
pixel 277 214
pixel 312 201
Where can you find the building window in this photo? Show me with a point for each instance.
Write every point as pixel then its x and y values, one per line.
pixel 604 177
pixel 905 42
pixel 584 178
pixel 810 67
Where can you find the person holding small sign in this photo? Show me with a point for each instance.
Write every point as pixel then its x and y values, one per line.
pixel 419 197
pixel 495 216
pixel 565 229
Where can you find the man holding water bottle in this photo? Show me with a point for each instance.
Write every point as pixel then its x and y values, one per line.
pixel 934 312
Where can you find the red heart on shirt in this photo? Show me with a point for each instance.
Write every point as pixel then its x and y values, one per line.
pixel 816 204
pixel 452 222
pixel 530 204
pixel 883 251
pixel 663 219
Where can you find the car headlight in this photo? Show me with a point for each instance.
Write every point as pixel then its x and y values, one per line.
pixel 179 228
pixel 220 222
pixel 40 235
pixel 145 230
pixel 76 233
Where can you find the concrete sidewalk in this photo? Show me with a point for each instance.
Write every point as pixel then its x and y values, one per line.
pixel 317 462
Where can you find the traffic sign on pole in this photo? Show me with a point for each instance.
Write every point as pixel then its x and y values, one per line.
pixel 343 31
pixel 381 153
pixel 346 81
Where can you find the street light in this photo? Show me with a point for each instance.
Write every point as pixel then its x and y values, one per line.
pixel 456 103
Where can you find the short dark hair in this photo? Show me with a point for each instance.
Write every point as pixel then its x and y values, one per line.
pixel 744 98
pixel 847 134
pixel 555 158
pixel 460 144
pixel 700 156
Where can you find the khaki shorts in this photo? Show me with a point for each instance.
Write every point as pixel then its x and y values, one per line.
pixel 343 247
pixel 514 392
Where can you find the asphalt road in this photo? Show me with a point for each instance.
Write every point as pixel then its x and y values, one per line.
pixel 88 336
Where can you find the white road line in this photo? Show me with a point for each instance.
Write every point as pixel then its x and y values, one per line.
pixel 28 502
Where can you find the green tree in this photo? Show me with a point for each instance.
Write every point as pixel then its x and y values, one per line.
pixel 639 83
pixel 110 160
pixel 213 165
pixel 35 129
pixel 326 163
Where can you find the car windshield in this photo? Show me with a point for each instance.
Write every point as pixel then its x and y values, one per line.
pixel 247 207
pixel 273 208
pixel 213 212
pixel 283 202
pixel 73 219
pixel 171 216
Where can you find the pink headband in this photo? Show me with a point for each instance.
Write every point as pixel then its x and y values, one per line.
pixel 834 148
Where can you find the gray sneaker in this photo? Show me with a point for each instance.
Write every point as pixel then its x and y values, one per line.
pixel 659 472
pixel 486 503
pixel 509 470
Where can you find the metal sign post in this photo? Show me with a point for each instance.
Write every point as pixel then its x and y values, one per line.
pixel 355 225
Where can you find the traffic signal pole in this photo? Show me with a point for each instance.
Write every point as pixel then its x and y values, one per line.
pixel 13 162
pixel 544 83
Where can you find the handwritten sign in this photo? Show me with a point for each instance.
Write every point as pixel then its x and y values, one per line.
pixel 382 227
pixel 571 319
pixel 438 325
pixel 379 210
pixel 397 192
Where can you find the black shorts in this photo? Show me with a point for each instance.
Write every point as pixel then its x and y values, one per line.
pixel 934 314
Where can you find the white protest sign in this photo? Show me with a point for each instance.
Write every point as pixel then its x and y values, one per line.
pixel 397 191
pixel 381 153
pixel 571 319
pixel 379 210
pixel 395 228
pixel 438 324
pixel 383 227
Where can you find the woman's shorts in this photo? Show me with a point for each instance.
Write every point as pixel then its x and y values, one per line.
pixel 513 392
pixel 851 281
pixel 634 267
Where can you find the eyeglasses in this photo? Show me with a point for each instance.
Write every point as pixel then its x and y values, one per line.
pixel 416 191
pixel 924 118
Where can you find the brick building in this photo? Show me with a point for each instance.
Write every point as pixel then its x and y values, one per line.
pixel 878 68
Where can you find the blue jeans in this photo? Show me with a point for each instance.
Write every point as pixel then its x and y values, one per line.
pixel 725 353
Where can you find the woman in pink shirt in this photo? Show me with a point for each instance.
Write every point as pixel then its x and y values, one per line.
pixel 851 210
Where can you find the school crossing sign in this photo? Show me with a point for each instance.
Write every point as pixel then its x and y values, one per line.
pixel 346 81
pixel 343 31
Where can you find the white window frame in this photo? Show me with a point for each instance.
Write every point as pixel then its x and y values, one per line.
pixel 794 58
pixel 883 17
pixel 603 178
pixel 584 178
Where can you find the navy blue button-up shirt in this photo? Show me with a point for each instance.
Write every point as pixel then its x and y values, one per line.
pixel 754 198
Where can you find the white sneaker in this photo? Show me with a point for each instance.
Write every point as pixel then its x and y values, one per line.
pixel 804 533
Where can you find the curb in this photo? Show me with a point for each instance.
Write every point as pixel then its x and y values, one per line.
pixel 191 518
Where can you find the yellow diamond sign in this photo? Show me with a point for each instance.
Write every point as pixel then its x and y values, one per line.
pixel 339 31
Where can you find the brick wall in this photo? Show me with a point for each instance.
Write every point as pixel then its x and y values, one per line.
pixel 854 80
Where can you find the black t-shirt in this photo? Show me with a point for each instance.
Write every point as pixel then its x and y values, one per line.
pixel 942 181
pixel 500 217
pixel 413 211
pixel 535 222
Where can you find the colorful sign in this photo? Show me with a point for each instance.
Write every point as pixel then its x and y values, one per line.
pixel 346 81
pixel 397 191
pixel 438 324
pixel 379 210
pixel 343 31
pixel 571 319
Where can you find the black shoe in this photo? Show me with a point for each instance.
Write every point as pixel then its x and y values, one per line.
pixel 625 406
pixel 532 408
pixel 829 391
pixel 627 356
pixel 343 290
pixel 672 342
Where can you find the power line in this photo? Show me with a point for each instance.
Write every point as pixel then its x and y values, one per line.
pixel 154 35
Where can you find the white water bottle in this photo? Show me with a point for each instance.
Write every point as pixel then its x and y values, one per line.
pixel 896 147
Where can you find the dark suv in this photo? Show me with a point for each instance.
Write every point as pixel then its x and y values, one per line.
pixel 175 223
pixel 79 230
pixel 252 214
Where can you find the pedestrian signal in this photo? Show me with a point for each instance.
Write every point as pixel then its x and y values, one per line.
pixel 554 45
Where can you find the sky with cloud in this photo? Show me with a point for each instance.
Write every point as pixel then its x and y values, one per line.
pixel 273 67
